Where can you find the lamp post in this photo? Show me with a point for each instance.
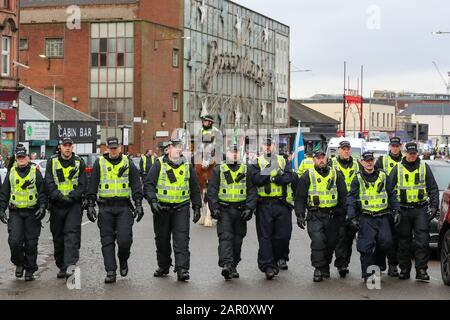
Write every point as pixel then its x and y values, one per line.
pixel 125 134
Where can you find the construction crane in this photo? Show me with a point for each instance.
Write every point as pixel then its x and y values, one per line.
pixel 446 83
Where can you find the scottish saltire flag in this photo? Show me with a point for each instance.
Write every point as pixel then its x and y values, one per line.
pixel 298 148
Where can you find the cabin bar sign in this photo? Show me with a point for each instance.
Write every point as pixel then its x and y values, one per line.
pixel 78 131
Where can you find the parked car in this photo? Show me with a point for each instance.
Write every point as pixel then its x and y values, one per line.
pixel 444 236
pixel 378 148
pixel 358 147
pixel 40 165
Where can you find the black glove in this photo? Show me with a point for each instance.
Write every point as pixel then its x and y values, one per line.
pixel 40 214
pixel 433 213
pixel 276 179
pixel 215 214
pixel 396 217
pixel 156 207
pixel 247 214
pixel 3 216
pixel 91 213
pixel 138 211
pixel 301 222
pixel 353 223
pixel 197 215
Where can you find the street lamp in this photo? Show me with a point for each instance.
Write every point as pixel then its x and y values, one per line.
pixel 440 32
pixel 155 44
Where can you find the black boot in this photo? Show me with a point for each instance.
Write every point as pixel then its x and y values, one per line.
pixel 282 264
pixel 422 275
pixel 19 271
pixel 183 275
pixel 123 268
pixel 270 274
pixel 61 274
pixel 29 275
pixel 326 273
pixel 318 276
pixel 404 275
pixel 226 272
pixel 160 272
pixel 234 273
pixel 343 271
pixel 392 271
pixel 110 277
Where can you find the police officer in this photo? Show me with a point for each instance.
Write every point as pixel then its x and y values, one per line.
pixel 417 191
pixel 146 162
pixel 232 201
pixel 370 204
pixel 272 176
pixel 322 191
pixel 66 183
pixel 170 187
pixel 349 167
pixel 307 163
pixel 387 163
pixel 209 132
pixel 23 190
pixel 115 180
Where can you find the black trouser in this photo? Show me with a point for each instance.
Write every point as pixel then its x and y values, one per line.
pixel 175 223
pixel 323 230
pixel 24 231
pixel 380 256
pixel 231 230
pixel 65 225
pixel 414 221
pixel 344 246
pixel 116 224
pixel 273 228
pixel 374 233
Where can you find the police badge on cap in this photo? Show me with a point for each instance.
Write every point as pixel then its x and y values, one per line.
pixel 411 147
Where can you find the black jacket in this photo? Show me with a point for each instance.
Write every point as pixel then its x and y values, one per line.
pixel 151 182
pixel 353 207
pixel 50 183
pixel 301 195
pixel 214 185
pixel 432 187
pixel 23 172
pixel 135 180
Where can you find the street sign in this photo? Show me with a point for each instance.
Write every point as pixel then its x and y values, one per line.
pixel 37 131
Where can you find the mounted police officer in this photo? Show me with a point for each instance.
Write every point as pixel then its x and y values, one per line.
pixel 66 183
pixel 232 201
pixel 349 167
pixel 322 191
pixel 170 187
pixel 388 163
pixel 146 162
pixel 273 176
pixel 371 204
pixel 115 180
pixel 23 192
pixel 418 195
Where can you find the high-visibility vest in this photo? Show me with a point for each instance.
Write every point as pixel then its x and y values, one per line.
pixel 208 134
pixel 349 173
pixel 71 174
pixel 173 192
pixel 111 185
pixel 307 163
pixel 320 195
pixel 275 190
pixel 373 195
pixel 23 198
pixel 411 186
pixel 144 162
pixel 388 164
pixel 235 191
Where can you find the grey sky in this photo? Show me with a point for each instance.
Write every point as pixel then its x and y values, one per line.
pixel 397 56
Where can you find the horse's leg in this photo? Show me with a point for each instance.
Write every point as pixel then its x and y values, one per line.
pixel 208 218
pixel 202 210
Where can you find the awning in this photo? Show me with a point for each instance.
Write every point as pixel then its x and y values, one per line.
pixel 312 137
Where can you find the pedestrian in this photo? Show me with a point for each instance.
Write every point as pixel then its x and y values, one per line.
pixel 371 206
pixel 349 167
pixel 170 187
pixel 232 201
pixel 322 192
pixel 23 193
pixel 114 180
pixel 416 191
pixel 66 182
pixel 273 176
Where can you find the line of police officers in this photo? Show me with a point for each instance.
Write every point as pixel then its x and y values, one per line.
pixel 386 204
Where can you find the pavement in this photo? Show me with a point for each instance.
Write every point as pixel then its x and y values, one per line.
pixel 206 282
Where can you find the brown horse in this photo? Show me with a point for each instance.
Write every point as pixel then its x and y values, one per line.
pixel 204 172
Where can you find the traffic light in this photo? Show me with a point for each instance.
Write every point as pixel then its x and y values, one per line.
pixel 423 131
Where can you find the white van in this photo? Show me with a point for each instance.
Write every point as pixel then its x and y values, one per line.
pixel 378 148
pixel 358 147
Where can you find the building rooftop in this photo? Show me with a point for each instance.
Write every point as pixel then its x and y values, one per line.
pixel 51 3
pixel 426 109
pixel 308 115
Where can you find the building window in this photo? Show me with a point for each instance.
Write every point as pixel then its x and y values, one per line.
pixel 54 48
pixel 6 4
pixel 112 112
pixel 392 120
pixel 373 119
pixel 175 58
pixel 23 44
pixel 384 123
pixel 6 53
pixel 378 119
pixel 175 102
